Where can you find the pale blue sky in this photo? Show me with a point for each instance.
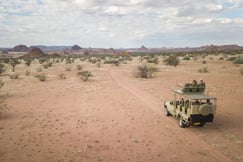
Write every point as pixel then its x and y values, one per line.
pixel 121 24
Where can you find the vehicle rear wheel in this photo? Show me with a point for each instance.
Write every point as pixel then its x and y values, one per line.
pixel 166 112
pixel 182 123
pixel 202 124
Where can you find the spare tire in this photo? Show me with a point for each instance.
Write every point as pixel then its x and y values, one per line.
pixel 205 109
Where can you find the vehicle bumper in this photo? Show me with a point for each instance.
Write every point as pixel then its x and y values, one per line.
pixel 201 118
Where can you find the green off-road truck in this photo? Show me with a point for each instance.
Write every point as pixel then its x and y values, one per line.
pixel 191 106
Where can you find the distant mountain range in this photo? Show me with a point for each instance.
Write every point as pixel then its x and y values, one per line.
pixel 76 49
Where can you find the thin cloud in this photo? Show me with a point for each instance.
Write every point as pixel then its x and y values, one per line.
pixel 118 23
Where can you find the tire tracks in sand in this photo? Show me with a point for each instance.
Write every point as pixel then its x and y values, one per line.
pixel 204 151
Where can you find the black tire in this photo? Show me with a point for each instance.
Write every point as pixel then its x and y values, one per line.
pixel 181 123
pixel 166 112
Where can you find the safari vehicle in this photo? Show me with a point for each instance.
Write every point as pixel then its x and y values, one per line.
pixel 190 105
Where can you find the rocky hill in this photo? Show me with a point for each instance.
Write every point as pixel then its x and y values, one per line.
pixel 34 53
pixel 76 48
pixel 220 48
pixel 20 48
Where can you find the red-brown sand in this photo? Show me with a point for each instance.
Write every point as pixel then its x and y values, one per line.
pixel 116 116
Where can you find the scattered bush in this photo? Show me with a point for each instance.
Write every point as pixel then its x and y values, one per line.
pixel 27 72
pixel 5 60
pixel 186 58
pixel 146 71
pixel 241 71
pixel 238 60
pixel 2 68
pixel 203 70
pixel 39 69
pixel 14 75
pixel 61 76
pixel 231 59
pixel 85 75
pixel 1 83
pixel 221 58
pixel 13 62
pixel 115 62
pixel 195 57
pixel 153 60
pixel 68 68
pixel 45 66
pixel 41 77
pixel 98 64
pixel 49 64
pixel 172 60
pixel 28 62
pixel 68 60
pixel 93 60
pixel 204 62
pixel 79 67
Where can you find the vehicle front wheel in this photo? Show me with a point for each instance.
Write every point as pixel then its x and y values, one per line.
pixel 181 123
pixel 166 112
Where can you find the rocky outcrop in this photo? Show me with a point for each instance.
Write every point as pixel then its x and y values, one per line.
pixel 35 52
pixel 20 48
pixel 76 48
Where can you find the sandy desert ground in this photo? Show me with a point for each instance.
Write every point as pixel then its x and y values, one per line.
pixel 116 116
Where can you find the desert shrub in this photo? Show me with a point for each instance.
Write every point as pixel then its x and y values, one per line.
pixel 146 71
pixel 203 70
pixel 238 60
pixel 115 62
pixel 231 59
pixel 85 75
pixel 49 64
pixel 2 68
pixel 98 64
pixel 79 67
pixel 41 77
pixel 172 60
pixel 61 76
pixel 204 62
pixel 93 60
pixel 125 58
pixel 13 62
pixel 221 58
pixel 1 83
pixel 14 75
pixel 72 60
pixel 27 72
pixel 153 60
pixel 186 58
pixel 68 68
pixel 195 57
pixel 42 60
pixel 28 62
pixel 204 56
pixel 82 59
pixel 39 69
pixel 68 60
pixel 5 60
pixel 225 56
pixel 45 66
pixel 241 71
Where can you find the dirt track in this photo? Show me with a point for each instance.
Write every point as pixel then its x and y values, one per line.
pixel 118 117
